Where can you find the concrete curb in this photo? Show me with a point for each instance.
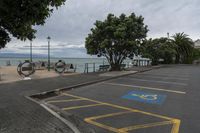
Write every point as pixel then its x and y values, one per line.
pixel 71 125
pixel 55 92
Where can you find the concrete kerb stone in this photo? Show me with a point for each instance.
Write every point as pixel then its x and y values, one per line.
pixel 55 92
pixel 73 122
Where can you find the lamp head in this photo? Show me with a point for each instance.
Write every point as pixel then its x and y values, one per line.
pixel 48 38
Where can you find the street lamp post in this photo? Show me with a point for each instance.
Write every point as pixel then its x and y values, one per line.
pixel 48 38
pixel 31 54
pixel 168 35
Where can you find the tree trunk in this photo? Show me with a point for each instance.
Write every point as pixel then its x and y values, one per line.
pixel 177 60
pixel 115 67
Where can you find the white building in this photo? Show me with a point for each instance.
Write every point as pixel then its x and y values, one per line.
pixel 197 44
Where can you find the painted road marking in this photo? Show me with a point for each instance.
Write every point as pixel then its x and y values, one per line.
pixel 83 106
pixel 91 120
pixel 68 100
pixel 109 115
pixel 125 129
pixel 145 97
pixel 158 77
pixel 165 75
pixel 175 122
pixel 121 107
pixel 164 82
pixel 144 87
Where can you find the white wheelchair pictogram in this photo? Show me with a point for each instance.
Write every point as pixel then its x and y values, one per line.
pixel 146 97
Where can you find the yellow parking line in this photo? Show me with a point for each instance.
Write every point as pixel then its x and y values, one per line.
pixel 104 126
pixel 107 115
pixel 176 125
pixel 121 107
pixel 175 122
pixel 68 100
pixel 145 126
pixel 84 106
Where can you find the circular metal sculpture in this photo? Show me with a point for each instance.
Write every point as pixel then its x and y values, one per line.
pixel 60 66
pixel 26 68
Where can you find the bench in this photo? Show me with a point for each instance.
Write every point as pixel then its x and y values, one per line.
pixel 104 67
pixel 123 66
pixel 70 68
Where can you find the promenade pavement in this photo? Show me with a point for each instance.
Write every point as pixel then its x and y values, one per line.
pixel 21 115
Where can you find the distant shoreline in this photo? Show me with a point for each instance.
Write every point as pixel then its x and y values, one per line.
pixel 53 58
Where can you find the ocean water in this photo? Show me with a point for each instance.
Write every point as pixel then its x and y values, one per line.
pixel 78 62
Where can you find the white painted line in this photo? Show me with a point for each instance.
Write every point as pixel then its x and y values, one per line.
pixel 158 77
pixel 149 88
pixel 165 82
pixel 166 75
pixel 68 123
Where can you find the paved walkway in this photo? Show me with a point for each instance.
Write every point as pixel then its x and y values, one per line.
pixel 20 115
pixel 162 100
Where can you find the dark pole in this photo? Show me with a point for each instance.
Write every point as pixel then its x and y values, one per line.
pixel 168 35
pixel 48 38
pixel 31 55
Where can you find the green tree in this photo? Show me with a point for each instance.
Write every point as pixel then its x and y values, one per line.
pixel 159 48
pixel 17 17
pixel 196 54
pixel 116 38
pixel 184 48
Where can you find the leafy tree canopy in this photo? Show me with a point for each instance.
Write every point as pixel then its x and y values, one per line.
pixel 17 17
pixel 116 38
pixel 159 48
pixel 196 54
pixel 184 48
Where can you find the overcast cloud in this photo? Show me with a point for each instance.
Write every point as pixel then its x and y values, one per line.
pixel 69 25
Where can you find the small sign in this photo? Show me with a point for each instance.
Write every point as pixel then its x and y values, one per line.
pixel 60 66
pixel 145 97
pixel 26 68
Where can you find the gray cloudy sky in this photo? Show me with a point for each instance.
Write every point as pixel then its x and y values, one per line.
pixel 69 25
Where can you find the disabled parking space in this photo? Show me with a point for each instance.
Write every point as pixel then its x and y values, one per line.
pixel 127 119
pixel 163 128
pixel 142 96
pixel 111 117
pixel 147 102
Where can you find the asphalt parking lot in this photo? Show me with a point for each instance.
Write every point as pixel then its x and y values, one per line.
pixel 162 100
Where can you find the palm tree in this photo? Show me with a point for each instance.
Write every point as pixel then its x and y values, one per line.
pixel 184 47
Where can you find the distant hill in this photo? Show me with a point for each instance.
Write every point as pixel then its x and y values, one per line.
pixel 19 55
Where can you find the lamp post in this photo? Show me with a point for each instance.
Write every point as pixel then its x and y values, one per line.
pixel 168 35
pixel 48 38
pixel 31 55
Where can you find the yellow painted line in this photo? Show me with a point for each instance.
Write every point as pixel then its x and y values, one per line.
pixel 84 106
pixel 68 100
pixel 176 125
pixel 145 126
pixel 104 126
pixel 149 88
pixel 108 115
pixel 66 94
pixel 122 107
pixel 175 122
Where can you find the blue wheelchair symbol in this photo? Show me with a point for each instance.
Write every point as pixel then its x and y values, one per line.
pixel 145 97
